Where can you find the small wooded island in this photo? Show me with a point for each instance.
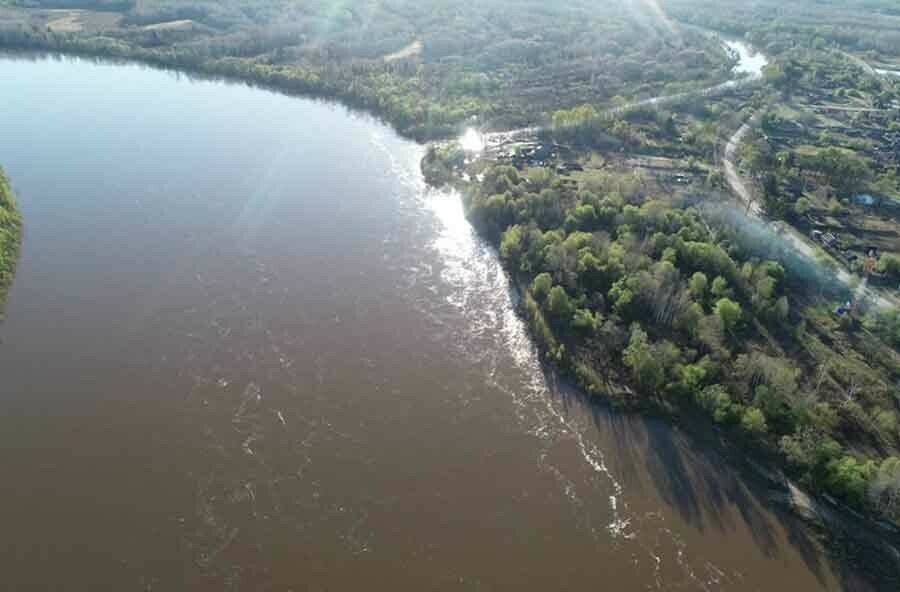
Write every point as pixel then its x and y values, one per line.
pixel 10 234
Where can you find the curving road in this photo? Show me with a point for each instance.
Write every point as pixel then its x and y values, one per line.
pixel 740 188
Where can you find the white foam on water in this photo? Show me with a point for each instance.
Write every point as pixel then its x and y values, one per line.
pixel 474 285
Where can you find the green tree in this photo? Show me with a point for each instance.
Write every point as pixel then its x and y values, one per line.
pixel 720 288
pixel 586 321
pixel 640 357
pixel 730 313
pixel 810 451
pixel 698 285
pixel 770 401
pixel 717 402
pixel 884 488
pixel 887 422
pixel 511 244
pixel 690 378
pixel 753 421
pixel 540 286
pixel 558 303
pixel 781 309
pixel 885 323
pixel 849 478
pixel 889 264
pixel 802 206
pixel 583 217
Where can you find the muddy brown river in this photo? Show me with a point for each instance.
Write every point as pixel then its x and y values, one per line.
pixel 247 349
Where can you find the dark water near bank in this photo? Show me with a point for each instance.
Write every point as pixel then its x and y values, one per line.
pixel 246 349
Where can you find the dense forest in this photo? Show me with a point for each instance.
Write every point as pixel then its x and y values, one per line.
pixel 10 231
pixel 425 66
pixel 780 25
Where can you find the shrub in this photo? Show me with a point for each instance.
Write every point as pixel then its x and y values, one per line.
pixel 849 478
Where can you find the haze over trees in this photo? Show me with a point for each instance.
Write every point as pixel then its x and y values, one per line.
pixel 777 25
pixel 427 66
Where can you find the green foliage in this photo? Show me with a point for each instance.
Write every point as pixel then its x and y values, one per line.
pixel 558 304
pixel 802 206
pixel 712 313
pixel 699 284
pixel 586 321
pixel 849 478
pixel 690 378
pixel 770 400
pixel 889 264
pixel 887 422
pixel 884 488
pixel 753 421
pixel 511 245
pixel 781 309
pixel 440 163
pixel 809 452
pixel 729 312
pixel 640 357
pixel 579 124
pixel 583 217
pixel 718 403
pixel 824 417
pixel 540 286
pixel 845 172
pixel 539 327
pixel 707 257
pixel 720 288
pixel 885 323
pixel 10 234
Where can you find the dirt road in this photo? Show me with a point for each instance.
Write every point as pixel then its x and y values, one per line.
pixel 740 188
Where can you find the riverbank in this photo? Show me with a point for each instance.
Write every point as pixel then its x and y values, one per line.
pixel 243 363
pixel 658 374
pixel 10 236
pixel 288 80
pixel 635 401
pixel 864 543
pixel 623 285
pixel 869 544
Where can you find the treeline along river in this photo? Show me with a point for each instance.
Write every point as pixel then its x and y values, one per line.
pixel 247 349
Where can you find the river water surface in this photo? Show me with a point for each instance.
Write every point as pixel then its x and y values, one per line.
pixel 247 349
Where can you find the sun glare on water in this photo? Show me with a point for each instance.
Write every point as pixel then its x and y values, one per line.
pixel 471 141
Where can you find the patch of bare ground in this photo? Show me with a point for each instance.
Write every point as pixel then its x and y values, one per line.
pixel 76 21
pixel 65 21
pixel 410 50
pixel 180 25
